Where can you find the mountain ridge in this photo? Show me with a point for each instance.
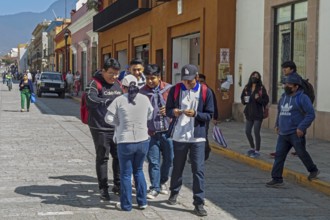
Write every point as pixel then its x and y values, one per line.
pixel 18 28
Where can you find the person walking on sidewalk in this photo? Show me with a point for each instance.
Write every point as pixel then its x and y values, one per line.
pixel 295 115
pixel 254 97
pixel 26 88
pixel 69 82
pixel 77 78
pixel 129 113
pixel 190 114
pixel 97 102
pixel 160 153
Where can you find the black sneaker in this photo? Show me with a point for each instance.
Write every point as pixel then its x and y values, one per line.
pixel 173 199
pixel 104 194
pixel 275 183
pixel 199 210
pixel 116 190
pixel 313 175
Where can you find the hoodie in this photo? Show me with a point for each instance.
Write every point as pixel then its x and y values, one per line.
pixel 97 102
pixel 294 112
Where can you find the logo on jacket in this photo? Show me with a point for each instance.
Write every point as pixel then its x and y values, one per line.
pixel 285 109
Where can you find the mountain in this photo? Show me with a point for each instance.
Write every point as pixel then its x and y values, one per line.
pixel 18 28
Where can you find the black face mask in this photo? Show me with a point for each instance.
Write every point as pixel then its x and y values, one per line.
pixel 288 90
pixel 254 80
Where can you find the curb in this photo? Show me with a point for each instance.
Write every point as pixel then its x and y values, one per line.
pixel 297 177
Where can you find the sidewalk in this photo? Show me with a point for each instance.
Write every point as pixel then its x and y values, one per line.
pixel 234 133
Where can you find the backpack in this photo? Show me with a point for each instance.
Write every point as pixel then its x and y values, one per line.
pixel 178 88
pixel 83 104
pixel 308 89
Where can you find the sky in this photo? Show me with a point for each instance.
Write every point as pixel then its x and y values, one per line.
pixel 16 6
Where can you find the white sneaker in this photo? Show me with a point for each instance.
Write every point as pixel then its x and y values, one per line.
pixel 118 206
pixel 142 207
pixel 163 189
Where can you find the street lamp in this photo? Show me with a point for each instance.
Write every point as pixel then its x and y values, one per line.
pixel 66 35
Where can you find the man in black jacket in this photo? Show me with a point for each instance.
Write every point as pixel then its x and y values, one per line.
pixel 97 102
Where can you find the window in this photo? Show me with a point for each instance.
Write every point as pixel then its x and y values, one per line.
pixel 290 42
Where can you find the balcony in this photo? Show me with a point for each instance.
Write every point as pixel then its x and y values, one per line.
pixel 119 12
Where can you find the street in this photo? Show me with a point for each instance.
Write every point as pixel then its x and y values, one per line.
pixel 48 172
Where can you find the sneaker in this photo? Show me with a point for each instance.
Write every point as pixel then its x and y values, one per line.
pixel 173 199
pixel 163 189
pixel 313 175
pixel 22 110
pixel 152 194
pixel 272 154
pixel 199 210
pixel 142 207
pixel 255 155
pixel 118 206
pixel 28 110
pixel 104 194
pixel 275 183
pixel 250 152
pixel 116 189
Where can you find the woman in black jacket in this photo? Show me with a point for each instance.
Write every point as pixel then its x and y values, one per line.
pixel 254 97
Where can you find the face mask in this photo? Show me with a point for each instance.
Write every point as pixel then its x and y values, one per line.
pixel 288 90
pixel 254 80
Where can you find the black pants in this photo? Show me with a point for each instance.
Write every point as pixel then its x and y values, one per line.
pixel 248 130
pixel 104 145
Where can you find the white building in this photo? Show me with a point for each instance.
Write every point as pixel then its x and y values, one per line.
pixel 271 32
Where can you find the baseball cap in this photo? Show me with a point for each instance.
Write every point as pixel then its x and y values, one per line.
pixel 128 80
pixel 189 72
pixel 293 79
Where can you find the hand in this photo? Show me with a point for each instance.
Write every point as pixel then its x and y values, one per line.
pixel 189 112
pixel 277 130
pixel 177 112
pixel 162 110
pixel 256 96
pixel 300 133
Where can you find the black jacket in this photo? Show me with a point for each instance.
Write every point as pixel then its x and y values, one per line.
pixel 98 101
pixel 254 110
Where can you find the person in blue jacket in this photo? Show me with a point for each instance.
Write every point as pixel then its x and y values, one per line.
pixel 295 115
pixel 190 115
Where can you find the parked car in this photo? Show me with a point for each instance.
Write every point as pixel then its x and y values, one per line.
pixel 51 82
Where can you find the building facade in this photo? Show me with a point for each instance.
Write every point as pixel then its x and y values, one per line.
pixel 172 34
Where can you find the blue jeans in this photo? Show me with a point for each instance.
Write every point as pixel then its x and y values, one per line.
pixel 159 145
pixel 284 144
pixel 131 157
pixel 197 154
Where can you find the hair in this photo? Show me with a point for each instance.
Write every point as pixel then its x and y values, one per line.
pixel 111 63
pixel 132 91
pixel 202 76
pixel 259 84
pixel 136 61
pixel 152 69
pixel 289 64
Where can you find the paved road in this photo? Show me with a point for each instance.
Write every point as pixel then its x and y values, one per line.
pixel 47 172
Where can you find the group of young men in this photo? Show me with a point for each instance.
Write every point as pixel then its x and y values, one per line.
pixel 180 117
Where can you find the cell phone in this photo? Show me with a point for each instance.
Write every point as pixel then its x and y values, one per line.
pixel 181 110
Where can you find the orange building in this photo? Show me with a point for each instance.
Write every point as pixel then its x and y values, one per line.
pixel 172 34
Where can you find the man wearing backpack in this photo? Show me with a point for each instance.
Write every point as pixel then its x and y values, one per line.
pixel 295 114
pixel 160 153
pixel 190 111
pixel 289 68
pixel 101 91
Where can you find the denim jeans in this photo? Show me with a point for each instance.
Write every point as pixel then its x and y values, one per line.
pixel 159 146
pixel 284 144
pixel 248 130
pixel 131 157
pixel 103 141
pixel 197 151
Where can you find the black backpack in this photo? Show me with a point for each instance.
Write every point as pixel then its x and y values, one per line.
pixel 308 89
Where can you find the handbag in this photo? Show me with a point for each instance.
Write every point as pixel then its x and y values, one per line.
pixel 33 98
pixel 266 112
pixel 218 136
